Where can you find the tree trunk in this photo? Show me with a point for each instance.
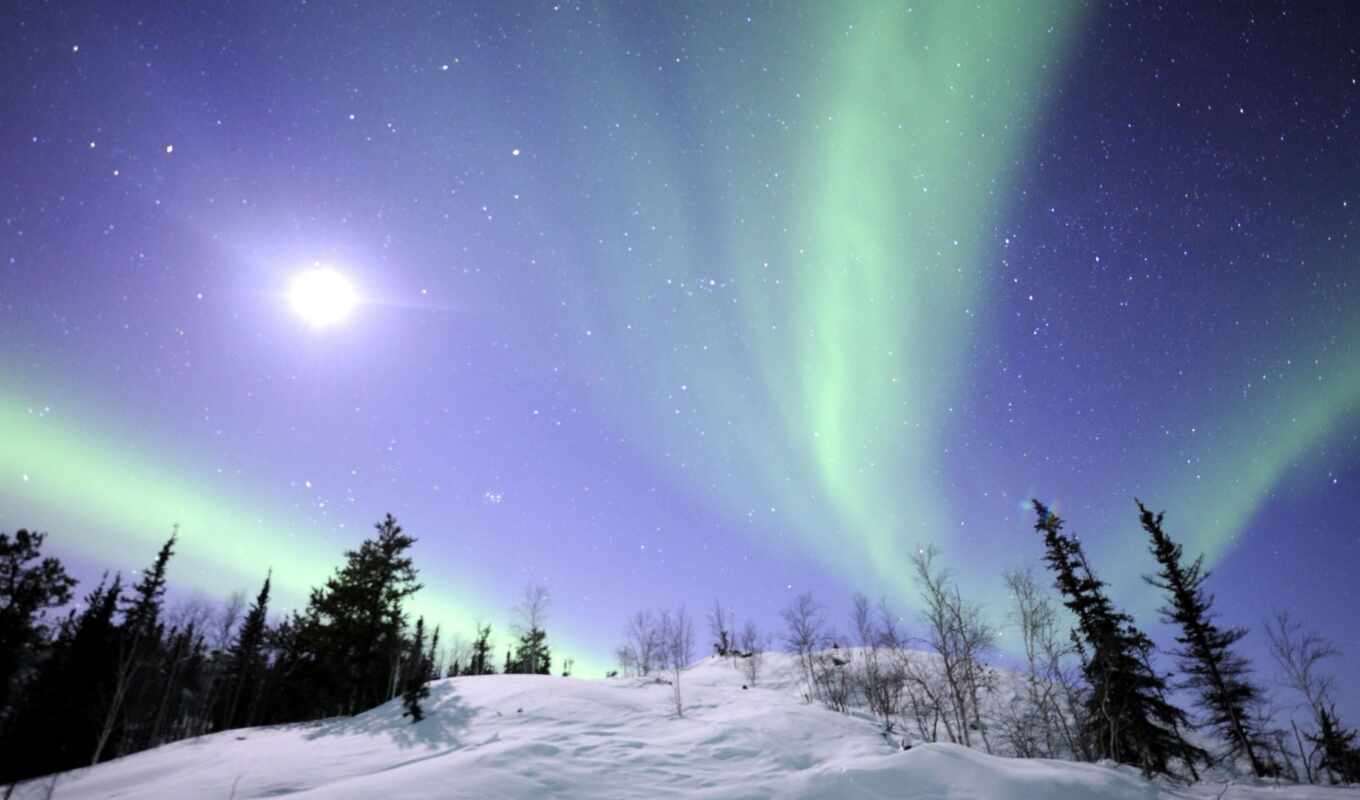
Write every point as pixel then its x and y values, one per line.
pixel 159 721
pixel 127 669
pixel 1307 762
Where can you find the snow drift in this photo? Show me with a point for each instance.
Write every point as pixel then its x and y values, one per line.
pixel 522 736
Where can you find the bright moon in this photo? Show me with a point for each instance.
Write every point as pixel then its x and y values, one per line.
pixel 322 297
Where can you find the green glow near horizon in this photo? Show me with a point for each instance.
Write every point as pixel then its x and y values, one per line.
pixel 783 320
pixel 121 503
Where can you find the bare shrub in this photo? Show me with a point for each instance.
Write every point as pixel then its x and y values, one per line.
pixel 878 676
pixel 640 654
pixel 805 635
pixel 752 645
pixel 677 648
pixel 1036 722
pixel 723 629
pixel 1300 654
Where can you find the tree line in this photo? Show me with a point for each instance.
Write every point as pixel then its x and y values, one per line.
pixel 1088 687
pixel 121 672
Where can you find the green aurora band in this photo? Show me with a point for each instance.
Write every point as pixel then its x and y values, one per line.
pixel 119 504
pixel 1252 446
pixel 910 167
pixel 805 375
pixel 813 351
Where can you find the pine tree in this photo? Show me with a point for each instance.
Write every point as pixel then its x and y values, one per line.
pixel 1340 754
pixel 188 697
pixel 416 683
pixel 432 656
pixel 27 589
pixel 287 693
pixel 56 726
pixel 245 663
pixel 1129 719
pixel 1219 677
pixel 142 612
pixel 352 628
pixel 178 684
pixel 532 655
pixel 140 641
pixel 480 661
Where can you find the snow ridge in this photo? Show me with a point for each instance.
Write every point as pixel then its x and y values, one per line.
pixel 530 736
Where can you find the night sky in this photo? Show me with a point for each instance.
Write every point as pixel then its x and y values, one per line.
pixel 659 302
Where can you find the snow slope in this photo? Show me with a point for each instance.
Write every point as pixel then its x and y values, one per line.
pixel 520 736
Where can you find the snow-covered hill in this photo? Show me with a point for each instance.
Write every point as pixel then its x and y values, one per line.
pixel 519 736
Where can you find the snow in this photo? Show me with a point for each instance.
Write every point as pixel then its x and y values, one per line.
pixel 522 736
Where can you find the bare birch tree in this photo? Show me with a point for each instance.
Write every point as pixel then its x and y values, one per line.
pixel 677 642
pixel 752 644
pixel 641 651
pixel 877 676
pixel 1036 722
pixel 1300 654
pixel 805 635
pixel 961 636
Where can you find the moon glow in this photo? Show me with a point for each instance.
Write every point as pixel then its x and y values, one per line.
pixel 322 297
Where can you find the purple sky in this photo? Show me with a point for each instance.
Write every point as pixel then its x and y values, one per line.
pixel 662 303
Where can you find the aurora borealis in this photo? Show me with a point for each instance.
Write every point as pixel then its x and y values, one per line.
pixel 663 302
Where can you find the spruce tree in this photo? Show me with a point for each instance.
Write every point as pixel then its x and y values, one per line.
pixel 352 627
pixel 1129 719
pixel 56 726
pixel 480 661
pixel 432 656
pixel 139 644
pixel 532 655
pixel 531 651
pixel 176 686
pixel 287 692
pixel 416 683
pixel 1340 754
pixel 245 663
pixel 28 587
pixel 142 612
pixel 1218 676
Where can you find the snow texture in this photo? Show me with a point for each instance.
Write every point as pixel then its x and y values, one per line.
pixel 529 736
